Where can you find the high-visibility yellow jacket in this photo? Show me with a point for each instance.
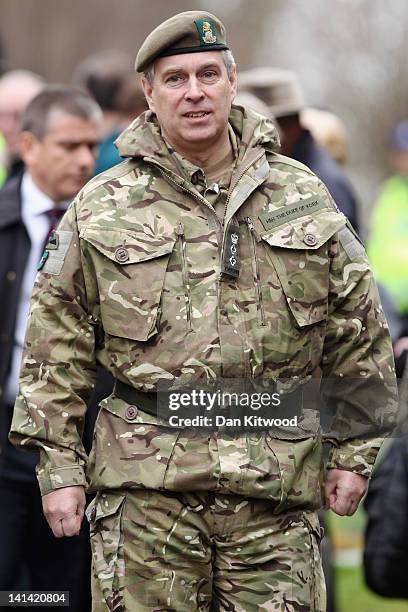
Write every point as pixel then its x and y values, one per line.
pixel 388 243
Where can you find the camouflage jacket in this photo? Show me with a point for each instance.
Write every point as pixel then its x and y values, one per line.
pixel 141 277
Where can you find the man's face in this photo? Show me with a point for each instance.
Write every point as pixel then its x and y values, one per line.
pixel 14 97
pixel 191 97
pixel 63 161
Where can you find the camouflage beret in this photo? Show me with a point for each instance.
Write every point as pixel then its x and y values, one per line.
pixel 188 32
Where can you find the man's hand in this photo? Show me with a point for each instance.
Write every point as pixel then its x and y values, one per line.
pixel 343 491
pixel 64 510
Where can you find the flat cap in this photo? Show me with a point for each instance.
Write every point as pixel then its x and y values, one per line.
pixel 279 89
pixel 188 32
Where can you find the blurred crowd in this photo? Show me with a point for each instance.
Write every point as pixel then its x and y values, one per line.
pixel 43 165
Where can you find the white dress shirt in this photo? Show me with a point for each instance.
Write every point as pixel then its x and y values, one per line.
pixel 34 205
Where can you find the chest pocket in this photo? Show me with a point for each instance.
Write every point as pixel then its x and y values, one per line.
pixel 299 254
pixel 129 268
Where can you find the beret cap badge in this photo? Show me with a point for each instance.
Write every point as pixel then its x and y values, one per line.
pixel 206 31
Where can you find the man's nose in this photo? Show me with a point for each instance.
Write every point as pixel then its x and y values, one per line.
pixel 194 89
pixel 86 157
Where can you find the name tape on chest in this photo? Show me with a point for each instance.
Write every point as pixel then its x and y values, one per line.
pixel 293 211
pixel 55 252
pixel 231 262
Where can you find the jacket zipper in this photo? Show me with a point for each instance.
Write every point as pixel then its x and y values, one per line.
pixel 194 195
pixel 236 183
pixel 186 284
pixel 255 271
pixel 202 200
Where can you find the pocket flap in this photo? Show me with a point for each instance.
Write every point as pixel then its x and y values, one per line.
pixel 104 504
pixel 130 270
pixel 132 414
pixel 306 232
pixel 303 271
pixel 127 247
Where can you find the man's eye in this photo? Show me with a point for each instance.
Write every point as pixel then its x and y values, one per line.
pixel 173 78
pixel 69 146
pixel 209 75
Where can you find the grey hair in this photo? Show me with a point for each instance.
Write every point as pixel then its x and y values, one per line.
pixel 227 57
pixel 57 99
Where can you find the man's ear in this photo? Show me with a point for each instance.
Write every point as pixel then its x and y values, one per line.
pixel 28 146
pixel 148 91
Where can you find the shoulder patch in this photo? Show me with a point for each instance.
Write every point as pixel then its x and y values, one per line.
pixel 53 262
pixel 351 244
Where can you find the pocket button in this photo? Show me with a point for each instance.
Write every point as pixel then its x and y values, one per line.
pixel 121 254
pixel 131 412
pixel 310 240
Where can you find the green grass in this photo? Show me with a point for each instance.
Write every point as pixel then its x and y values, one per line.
pixel 352 595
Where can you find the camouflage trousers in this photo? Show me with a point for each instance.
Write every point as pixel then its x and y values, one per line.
pixel 184 552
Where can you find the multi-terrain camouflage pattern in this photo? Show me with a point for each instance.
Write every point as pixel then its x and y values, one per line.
pixel 136 452
pixel 202 551
pixel 140 290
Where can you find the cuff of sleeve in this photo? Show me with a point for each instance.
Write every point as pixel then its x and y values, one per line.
pixel 358 460
pixel 58 478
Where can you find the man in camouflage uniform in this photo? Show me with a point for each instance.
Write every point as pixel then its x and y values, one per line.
pixel 143 276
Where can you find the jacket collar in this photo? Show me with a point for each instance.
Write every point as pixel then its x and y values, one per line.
pixel 143 138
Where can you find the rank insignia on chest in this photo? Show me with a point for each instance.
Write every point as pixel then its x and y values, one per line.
pixel 231 261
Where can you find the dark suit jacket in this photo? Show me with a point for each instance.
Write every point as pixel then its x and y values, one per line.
pixel 14 252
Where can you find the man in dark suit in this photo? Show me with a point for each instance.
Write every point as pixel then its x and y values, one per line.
pixel 60 131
